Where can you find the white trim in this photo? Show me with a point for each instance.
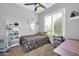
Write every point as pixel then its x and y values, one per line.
pixel 64 10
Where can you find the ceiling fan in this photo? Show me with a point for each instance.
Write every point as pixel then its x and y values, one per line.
pixel 37 5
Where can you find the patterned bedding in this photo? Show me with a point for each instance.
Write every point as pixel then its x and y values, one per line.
pixel 33 41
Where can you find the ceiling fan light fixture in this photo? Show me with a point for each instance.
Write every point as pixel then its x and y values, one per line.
pixel 37 5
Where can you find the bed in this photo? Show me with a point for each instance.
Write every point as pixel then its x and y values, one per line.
pixel 31 42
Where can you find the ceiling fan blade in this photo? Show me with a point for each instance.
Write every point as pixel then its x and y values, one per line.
pixel 36 8
pixel 43 6
pixel 29 3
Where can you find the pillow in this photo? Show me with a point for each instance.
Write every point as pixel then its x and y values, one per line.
pixel 41 33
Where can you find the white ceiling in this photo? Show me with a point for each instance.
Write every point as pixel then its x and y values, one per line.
pixel 39 10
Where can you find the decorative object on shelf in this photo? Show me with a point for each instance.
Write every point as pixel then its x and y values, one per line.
pixel 16 33
pixel 9 27
pixel 16 24
pixel 17 37
pixel 74 13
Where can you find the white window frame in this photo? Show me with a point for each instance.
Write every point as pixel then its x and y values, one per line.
pixel 63 21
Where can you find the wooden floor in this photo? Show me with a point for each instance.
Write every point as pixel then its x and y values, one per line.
pixel 45 50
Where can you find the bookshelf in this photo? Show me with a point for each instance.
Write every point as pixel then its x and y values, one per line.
pixel 13 35
pixel 74 18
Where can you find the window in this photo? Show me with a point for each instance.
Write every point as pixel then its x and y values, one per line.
pixel 57 23
pixel 48 24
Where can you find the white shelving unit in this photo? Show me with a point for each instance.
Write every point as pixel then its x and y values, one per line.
pixel 3 45
pixel 74 18
pixel 13 36
pixel 16 40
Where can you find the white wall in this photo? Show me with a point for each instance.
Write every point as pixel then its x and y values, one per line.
pixel 69 8
pixel 11 13
pixel 74 29
pixel 2 27
pixel 2 24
